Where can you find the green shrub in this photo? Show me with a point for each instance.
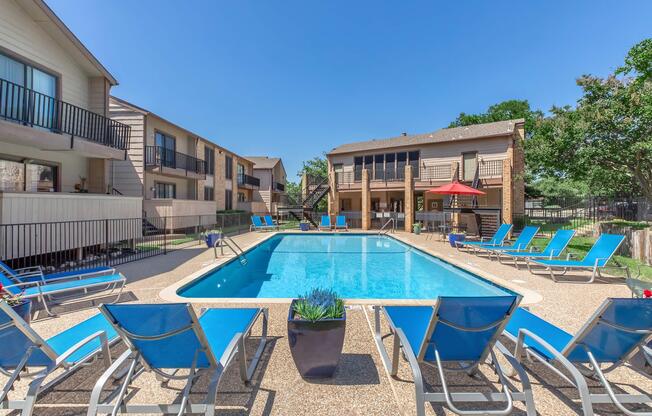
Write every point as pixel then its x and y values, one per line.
pixel 319 304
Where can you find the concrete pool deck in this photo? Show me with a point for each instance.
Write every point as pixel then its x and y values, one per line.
pixel 361 385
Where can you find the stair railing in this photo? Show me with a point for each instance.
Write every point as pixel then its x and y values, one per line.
pixel 384 231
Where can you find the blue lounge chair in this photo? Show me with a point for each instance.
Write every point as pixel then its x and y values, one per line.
pixel 340 223
pixel 554 248
pixel 23 349
pixel 520 244
pixel 46 291
pixel 497 240
pixel 325 223
pixel 597 258
pixel 615 332
pixel 169 337
pixel 257 224
pixel 460 331
pixel 269 221
pixel 35 273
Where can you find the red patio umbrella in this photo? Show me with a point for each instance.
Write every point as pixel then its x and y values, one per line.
pixel 455 188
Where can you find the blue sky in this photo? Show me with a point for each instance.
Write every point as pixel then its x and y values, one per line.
pixel 294 78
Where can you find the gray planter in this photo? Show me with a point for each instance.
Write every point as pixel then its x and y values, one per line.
pixel 316 347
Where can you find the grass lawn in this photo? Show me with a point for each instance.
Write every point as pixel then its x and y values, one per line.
pixel 579 246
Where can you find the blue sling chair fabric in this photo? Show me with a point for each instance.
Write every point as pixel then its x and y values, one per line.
pixel 164 338
pixel 23 348
pixel 496 240
pixel 257 224
pixel 520 244
pixel 457 331
pixel 597 258
pixel 270 222
pixel 613 334
pixel 35 274
pixel 340 223
pixel 554 248
pixel 325 222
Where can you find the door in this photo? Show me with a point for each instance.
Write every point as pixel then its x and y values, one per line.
pixel 470 165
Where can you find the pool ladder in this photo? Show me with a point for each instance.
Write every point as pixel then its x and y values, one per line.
pixel 384 231
pixel 232 245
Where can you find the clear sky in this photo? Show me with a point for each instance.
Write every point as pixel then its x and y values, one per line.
pixel 295 78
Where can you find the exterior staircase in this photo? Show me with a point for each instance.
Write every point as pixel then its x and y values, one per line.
pixel 304 209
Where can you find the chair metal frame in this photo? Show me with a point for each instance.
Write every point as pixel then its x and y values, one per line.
pixel 136 365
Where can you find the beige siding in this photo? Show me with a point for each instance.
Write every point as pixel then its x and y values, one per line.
pixel 128 175
pixel 20 34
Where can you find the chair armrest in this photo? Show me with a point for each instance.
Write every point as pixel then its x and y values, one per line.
pixel 104 345
pixel 30 269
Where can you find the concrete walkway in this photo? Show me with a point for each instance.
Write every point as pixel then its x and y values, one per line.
pixel 361 385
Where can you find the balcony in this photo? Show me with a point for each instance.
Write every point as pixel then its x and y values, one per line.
pixel 490 169
pixel 168 162
pixel 30 108
pixel 248 181
pixel 278 187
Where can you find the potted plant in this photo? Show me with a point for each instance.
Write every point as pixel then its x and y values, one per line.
pixel 416 228
pixel 316 327
pixel 453 237
pixel 211 237
pixel 304 225
pixel 23 307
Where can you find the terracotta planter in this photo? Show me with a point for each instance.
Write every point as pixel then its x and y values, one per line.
pixel 316 347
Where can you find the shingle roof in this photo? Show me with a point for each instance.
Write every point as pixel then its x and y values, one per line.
pixel 476 131
pixel 263 162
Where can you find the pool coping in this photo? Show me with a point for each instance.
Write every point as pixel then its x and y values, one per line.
pixel 169 294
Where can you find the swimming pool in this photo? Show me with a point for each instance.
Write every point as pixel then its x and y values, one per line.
pixel 357 266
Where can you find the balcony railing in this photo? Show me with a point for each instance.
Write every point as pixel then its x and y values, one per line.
pixel 34 109
pixel 436 172
pixel 279 187
pixel 163 157
pixel 244 179
pixel 491 169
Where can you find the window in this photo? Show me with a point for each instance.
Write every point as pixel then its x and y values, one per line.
pixel 21 76
pixel 470 165
pixel 209 158
pixel 18 176
pixel 379 171
pixel 357 168
pixel 242 197
pixel 228 200
pixel 165 190
pixel 228 166
pixel 401 160
pixel 166 147
pixel 414 162
pixel 209 193
pixel 390 166
pixel 369 165
pixel 345 205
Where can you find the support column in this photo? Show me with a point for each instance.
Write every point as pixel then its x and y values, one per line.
pixel 366 200
pixel 455 173
pixel 333 194
pixel 409 199
pixel 508 200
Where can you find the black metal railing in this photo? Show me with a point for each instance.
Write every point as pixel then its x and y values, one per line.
pixel 244 179
pixel 279 187
pixel 491 169
pixel 71 245
pixel 163 157
pixel 35 109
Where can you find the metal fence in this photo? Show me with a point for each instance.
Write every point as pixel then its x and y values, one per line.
pixel 73 245
pixel 582 214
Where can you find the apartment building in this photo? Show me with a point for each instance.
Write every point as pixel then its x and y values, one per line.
pixel 271 173
pixel 57 142
pixel 177 172
pixel 375 177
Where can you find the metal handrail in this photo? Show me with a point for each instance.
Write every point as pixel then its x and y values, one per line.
pixel 380 232
pixel 229 242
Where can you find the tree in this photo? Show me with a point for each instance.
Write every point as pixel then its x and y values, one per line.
pixel 606 140
pixel 506 110
pixel 316 167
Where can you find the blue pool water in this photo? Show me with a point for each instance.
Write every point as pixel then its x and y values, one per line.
pixel 356 266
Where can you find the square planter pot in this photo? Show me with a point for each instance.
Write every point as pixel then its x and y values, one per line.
pixel 316 347
pixel 304 226
pixel 211 239
pixel 452 238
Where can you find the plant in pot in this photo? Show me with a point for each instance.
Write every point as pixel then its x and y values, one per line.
pixel 453 237
pixel 211 237
pixel 416 228
pixel 304 225
pixel 316 327
pixel 23 307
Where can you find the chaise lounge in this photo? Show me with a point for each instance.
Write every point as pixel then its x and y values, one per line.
pixel 497 240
